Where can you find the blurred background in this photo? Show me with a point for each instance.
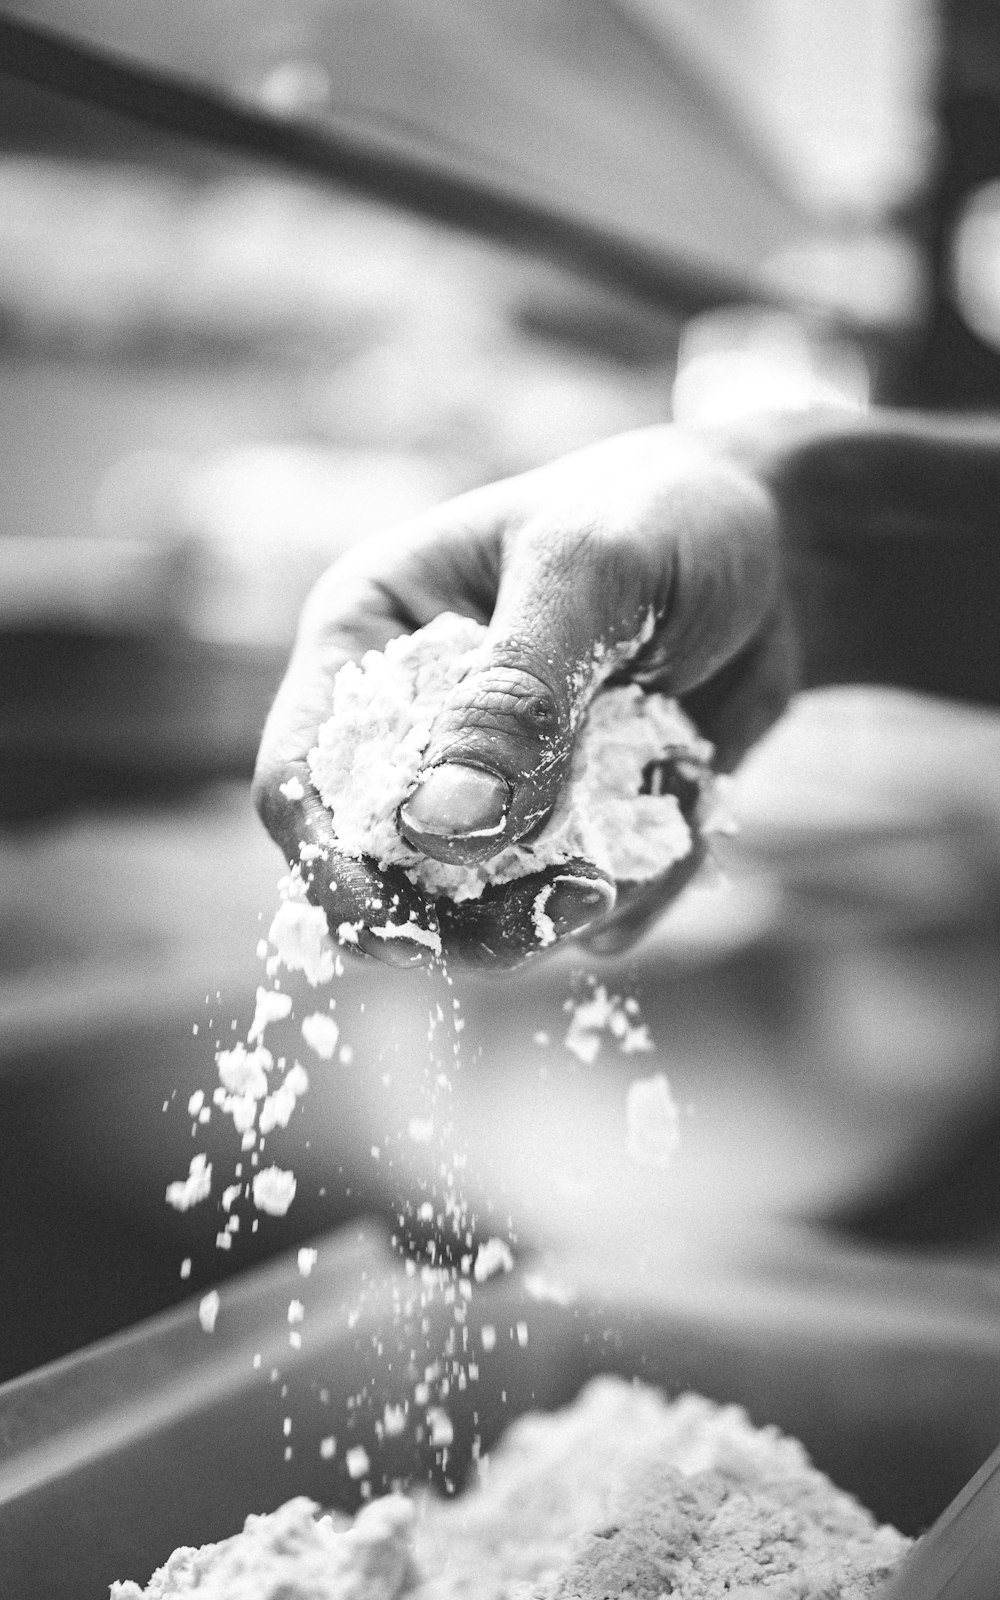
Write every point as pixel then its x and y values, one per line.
pixel 216 374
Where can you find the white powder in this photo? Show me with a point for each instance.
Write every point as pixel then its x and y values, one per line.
pixel 298 935
pixel 321 1034
pixel 278 1107
pixel 208 1310
pixel 307 1259
pixel 368 758
pixel 358 1464
pixel 492 1257
pixel 243 1071
pixel 652 1120
pixel 273 1190
pixel 187 1192
pixel 602 1014
pixel 272 1006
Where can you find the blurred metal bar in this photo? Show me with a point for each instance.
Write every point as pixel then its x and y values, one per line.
pixel 377 163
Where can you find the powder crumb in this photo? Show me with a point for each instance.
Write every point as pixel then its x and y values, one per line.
pixel 420 1129
pixel 358 1464
pixel 394 1420
pixel 652 1121
pixel 296 1311
pixel 208 1310
pixel 442 1433
pixel 230 1196
pixel 347 932
pixel 328 1447
pixel 492 1257
pixel 273 1190
pixel 272 1006
pixel 244 1072
pixel 601 1014
pixel 197 1186
pixel 186 1267
pixel 307 1259
pixel 299 934
pixel 292 789
pixel 488 1336
pixel 277 1109
pixel 321 1033
pixel 196 1102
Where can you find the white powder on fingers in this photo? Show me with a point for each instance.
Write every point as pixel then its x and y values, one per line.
pixel 368 758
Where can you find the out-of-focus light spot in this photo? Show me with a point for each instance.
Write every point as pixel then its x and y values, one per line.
pixel 975 263
pixel 735 364
pixel 296 87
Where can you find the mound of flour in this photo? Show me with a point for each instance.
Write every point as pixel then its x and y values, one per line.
pixel 369 754
pixel 621 1496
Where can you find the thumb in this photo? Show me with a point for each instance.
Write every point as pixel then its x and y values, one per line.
pixel 567 611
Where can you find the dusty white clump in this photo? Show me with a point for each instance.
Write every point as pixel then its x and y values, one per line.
pixel 273 1190
pixel 369 753
pixel 492 1257
pixel 321 1033
pixel 208 1310
pixel 299 935
pixel 187 1192
pixel 272 1006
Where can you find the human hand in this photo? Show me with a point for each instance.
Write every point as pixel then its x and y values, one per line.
pixel 566 565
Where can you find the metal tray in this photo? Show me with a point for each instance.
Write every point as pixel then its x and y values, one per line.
pixel 888 1369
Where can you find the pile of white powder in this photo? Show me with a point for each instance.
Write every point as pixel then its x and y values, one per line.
pixel 623 1496
pixel 369 755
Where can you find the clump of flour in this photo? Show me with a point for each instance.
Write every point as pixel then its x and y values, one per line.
pixel 368 758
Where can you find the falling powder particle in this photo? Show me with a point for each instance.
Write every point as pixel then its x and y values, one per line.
pixel 208 1310
pixel 243 1071
pixel 328 1449
pixel 299 934
pixel 321 1033
pixel 652 1121
pixel 358 1464
pixel 492 1257
pixel 296 1311
pixel 186 1267
pixel 421 1129
pixel 273 1190
pixel 307 1259
pixel 186 1192
pixel 488 1335
pixel 394 1420
pixel 196 1102
pixel 272 1006
pixel 439 1422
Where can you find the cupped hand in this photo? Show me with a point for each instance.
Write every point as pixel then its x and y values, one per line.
pixel 647 558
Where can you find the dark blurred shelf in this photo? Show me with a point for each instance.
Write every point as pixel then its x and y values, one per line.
pixel 88 718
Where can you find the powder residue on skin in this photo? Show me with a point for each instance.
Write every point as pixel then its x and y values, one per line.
pixel 368 758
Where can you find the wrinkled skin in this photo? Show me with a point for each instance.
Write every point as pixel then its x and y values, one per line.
pixel 651 526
